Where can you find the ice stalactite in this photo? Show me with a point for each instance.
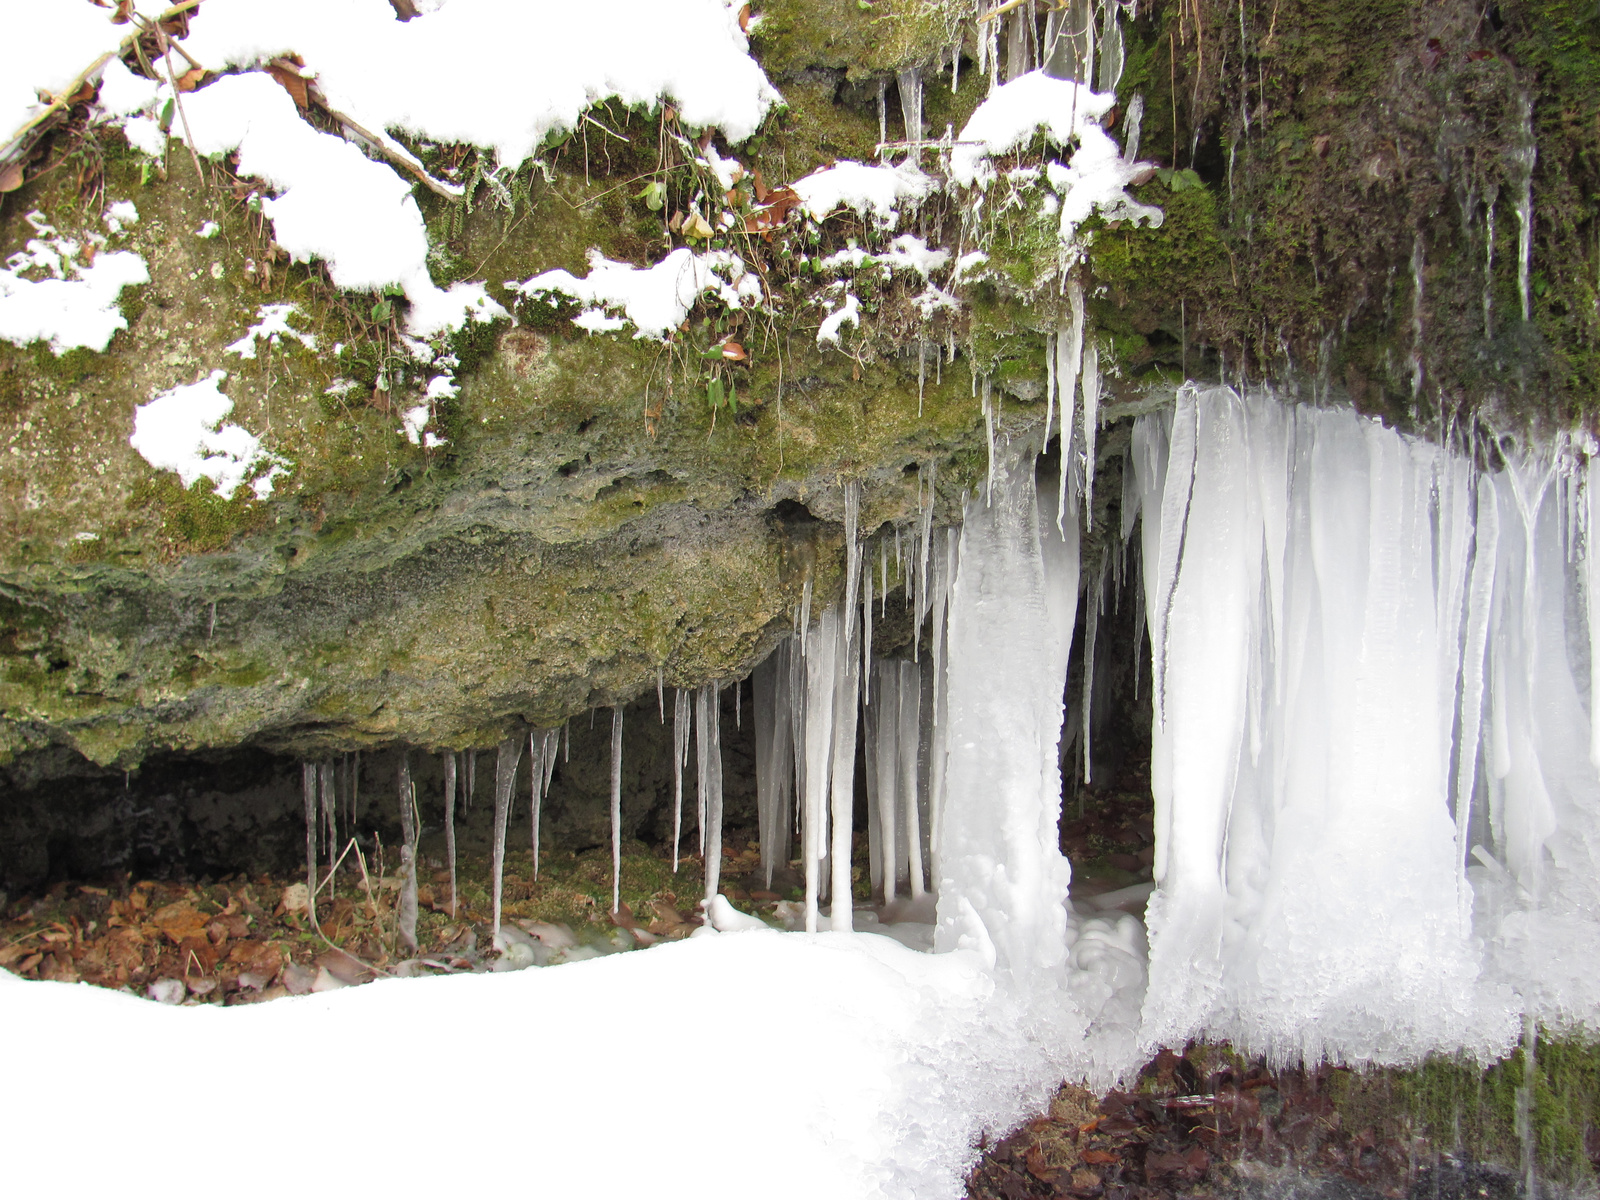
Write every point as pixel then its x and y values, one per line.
pixel 911 104
pixel 1002 879
pixel 846 711
pixel 616 809
pixel 330 809
pixel 818 654
pixel 682 718
pixel 450 823
pixel 406 908
pixel 1091 426
pixel 1372 755
pixel 883 770
pixel 1068 365
pixel 708 760
pixel 1093 606
pixel 506 759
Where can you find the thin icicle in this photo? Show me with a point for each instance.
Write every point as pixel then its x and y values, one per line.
pixel 909 783
pixel 770 696
pixel 506 759
pixel 681 720
pixel 846 707
pixel 805 614
pixel 738 694
pixel 661 695
pixel 820 661
pixel 450 823
pixel 866 635
pixel 1069 357
pixel 709 756
pixel 406 907
pixel 308 786
pixel 1091 426
pixel 616 810
pixel 988 433
pixel 884 774
pixel 1091 629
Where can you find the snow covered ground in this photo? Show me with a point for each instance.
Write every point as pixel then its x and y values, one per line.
pixel 762 1063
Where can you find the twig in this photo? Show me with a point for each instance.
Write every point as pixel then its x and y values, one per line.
pixel 177 98
pixel 366 879
pixel 62 99
pixel 386 146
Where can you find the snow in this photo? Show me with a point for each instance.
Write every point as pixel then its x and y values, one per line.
pixel 124 94
pixel 121 213
pixel 655 300
pixel 77 305
pixel 877 192
pixel 183 430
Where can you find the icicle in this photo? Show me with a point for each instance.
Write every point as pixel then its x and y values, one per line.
pixel 1016 46
pixel 681 720
pixel 1050 356
pixel 450 823
pixel 738 694
pixel 1091 426
pixel 988 433
pixel 566 740
pixel 922 372
pixel 866 634
pixel 709 757
pixel 805 614
pixel 616 810
pixel 883 111
pixel 506 759
pixel 330 802
pixel 536 768
pixel 884 739
pixel 1111 54
pixel 1524 156
pixel 308 784
pixel 770 694
pixel 883 574
pixel 911 106
pixel 406 908
pixel 1488 269
pixel 819 668
pixel 910 781
pixel 846 707
pixel 661 695
pixel 1069 357
pixel 923 559
pixel 1130 128
pixel 1091 628
pixel 472 775
pixel 1416 314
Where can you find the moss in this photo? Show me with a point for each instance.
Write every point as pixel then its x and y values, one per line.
pixel 196 519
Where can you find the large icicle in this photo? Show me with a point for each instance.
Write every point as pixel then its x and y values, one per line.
pixel 884 768
pixel 406 907
pixel 770 688
pixel 708 752
pixel 681 721
pixel 506 759
pixel 909 781
pixel 450 823
pixel 820 654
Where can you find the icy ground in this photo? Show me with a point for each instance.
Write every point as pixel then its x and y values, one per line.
pixel 804 1065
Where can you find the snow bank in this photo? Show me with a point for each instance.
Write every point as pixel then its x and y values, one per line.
pixel 655 300
pixel 182 430
pixel 876 1068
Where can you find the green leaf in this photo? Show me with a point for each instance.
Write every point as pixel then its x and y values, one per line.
pixel 382 310
pixel 654 194
pixel 714 393
pixel 733 396
pixel 167 111
pixel 147 172
pixel 394 289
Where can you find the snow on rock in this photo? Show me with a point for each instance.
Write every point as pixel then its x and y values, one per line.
pixel 121 213
pixel 182 430
pixel 76 306
pixel 893 1064
pixel 502 74
pixel 1096 176
pixel 124 94
pixel 877 192
pixel 655 300
pixel 272 326
pixel 848 313
pixel 335 203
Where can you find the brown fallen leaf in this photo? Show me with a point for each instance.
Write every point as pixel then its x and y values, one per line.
pixel 180 921
pixel 1038 1167
pixel 1102 1158
pixel 190 79
pixel 10 177
pixel 289 77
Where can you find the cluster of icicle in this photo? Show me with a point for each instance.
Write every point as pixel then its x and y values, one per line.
pixel 1375 668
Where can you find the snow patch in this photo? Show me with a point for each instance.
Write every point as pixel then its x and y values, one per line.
pixel 272 325
pixel 655 300
pixel 877 192
pixel 76 306
pixel 847 313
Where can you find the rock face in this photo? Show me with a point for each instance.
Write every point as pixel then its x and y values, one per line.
pixel 591 522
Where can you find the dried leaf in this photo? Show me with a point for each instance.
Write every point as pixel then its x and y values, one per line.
pixel 733 352
pixel 190 79
pixel 10 177
pixel 1102 1158
pixel 291 81
pixel 180 922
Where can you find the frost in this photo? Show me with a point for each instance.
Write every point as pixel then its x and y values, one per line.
pixel 655 300
pixel 272 325
pixel 182 430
